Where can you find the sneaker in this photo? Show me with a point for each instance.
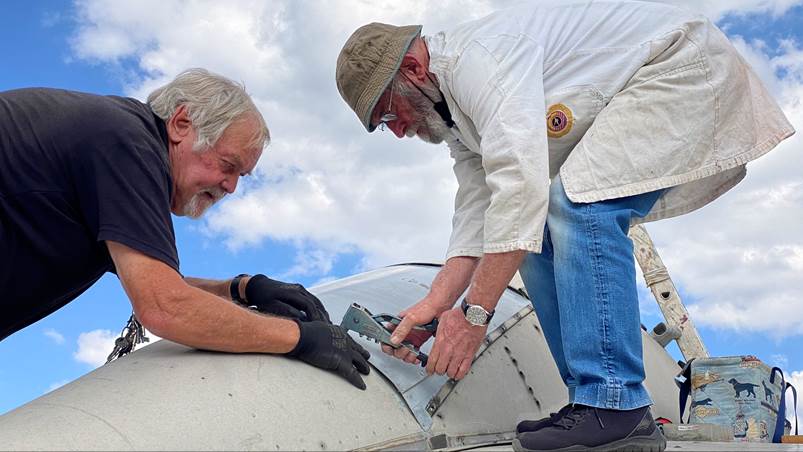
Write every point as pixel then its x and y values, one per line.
pixel 588 428
pixel 531 426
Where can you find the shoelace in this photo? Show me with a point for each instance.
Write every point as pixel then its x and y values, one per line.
pixel 575 416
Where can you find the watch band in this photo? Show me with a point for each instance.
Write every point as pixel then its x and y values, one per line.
pixel 234 288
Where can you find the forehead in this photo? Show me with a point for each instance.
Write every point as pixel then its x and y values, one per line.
pixel 237 142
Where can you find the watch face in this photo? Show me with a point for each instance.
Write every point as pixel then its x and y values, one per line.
pixel 476 315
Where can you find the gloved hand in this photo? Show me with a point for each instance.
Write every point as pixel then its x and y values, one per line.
pixel 327 346
pixel 284 299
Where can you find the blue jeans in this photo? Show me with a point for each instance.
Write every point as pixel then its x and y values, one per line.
pixel 583 288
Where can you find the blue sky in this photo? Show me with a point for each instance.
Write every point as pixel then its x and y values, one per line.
pixel 347 208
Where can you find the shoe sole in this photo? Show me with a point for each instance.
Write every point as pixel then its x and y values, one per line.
pixel 653 443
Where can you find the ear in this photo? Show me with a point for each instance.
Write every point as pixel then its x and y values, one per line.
pixel 413 68
pixel 179 126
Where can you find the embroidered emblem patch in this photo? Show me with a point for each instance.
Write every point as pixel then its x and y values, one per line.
pixel 559 120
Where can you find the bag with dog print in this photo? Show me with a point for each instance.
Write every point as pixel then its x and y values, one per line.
pixel 740 392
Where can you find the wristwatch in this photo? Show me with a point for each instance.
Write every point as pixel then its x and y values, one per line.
pixel 476 314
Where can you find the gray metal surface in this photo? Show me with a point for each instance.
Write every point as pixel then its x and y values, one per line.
pixel 170 397
pixel 390 290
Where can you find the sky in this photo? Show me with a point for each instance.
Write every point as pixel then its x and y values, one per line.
pixel 328 200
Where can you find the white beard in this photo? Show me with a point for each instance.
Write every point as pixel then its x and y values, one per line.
pixel 200 202
pixel 436 132
pixel 436 129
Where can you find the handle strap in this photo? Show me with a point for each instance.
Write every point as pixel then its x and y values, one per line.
pixel 685 389
pixel 779 422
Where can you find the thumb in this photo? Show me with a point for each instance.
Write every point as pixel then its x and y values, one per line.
pixel 401 331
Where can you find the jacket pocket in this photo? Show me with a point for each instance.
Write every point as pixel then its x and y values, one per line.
pixel 570 112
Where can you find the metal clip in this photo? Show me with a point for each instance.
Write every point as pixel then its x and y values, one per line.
pixel 362 322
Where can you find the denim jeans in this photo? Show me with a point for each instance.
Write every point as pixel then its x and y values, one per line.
pixel 583 289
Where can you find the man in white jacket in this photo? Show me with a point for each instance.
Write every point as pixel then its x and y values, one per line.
pixel 567 125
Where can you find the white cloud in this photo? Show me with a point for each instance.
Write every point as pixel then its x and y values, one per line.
pixel 94 347
pixel 54 335
pixel 327 187
pixel 742 256
pixel 779 360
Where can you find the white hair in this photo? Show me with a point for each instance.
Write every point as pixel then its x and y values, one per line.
pixel 213 103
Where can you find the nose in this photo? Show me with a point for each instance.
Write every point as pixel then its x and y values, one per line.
pixel 229 184
pixel 397 128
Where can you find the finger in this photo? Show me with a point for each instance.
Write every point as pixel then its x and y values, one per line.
pixel 360 363
pixel 347 371
pixel 462 371
pixel 312 311
pixel 314 305
pixel 453 367
pixel 295 299
pixel 443 363
pixel 359 348
pixel 282 310
pixel 411 358
pixel 434 355
pixel 401 331
pixel 401 353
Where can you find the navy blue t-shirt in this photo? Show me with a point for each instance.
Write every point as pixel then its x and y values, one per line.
pixel 76 169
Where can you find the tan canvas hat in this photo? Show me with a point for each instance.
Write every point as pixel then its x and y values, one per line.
pixel 368 62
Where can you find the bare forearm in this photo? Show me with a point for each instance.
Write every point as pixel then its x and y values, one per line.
pixel 217 287
pixel 452 280
pixel 492 276
pixel 201 320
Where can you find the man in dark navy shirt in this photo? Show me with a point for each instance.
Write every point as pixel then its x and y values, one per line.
pixel 88 184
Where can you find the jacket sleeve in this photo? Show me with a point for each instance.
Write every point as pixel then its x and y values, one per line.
pixel 498 83
pixel 470 203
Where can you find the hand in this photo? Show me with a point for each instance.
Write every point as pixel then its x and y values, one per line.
pixel 284 299
pixel 420 313
pixel 455 346
pixel 328 347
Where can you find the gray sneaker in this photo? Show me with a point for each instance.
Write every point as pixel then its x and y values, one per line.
pixel 598 429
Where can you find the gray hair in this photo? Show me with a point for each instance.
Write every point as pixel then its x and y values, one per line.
pixel 213 103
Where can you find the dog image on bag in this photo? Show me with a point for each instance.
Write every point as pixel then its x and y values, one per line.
pixel 749 388
pixel 704 402
pixel 769 396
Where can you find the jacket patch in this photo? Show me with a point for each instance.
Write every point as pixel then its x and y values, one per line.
pixel 559 120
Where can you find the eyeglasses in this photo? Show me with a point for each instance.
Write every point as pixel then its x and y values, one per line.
pixel 387 116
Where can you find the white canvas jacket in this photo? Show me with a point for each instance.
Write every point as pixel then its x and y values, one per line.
pixel 637 97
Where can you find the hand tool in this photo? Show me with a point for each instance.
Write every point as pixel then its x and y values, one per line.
pixel 361 321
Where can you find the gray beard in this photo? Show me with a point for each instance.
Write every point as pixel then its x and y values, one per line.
pixel 436 126
pixel 198 204
pixel 436 129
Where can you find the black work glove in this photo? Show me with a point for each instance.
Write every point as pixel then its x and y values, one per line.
pixel 284 299
pixel 327 346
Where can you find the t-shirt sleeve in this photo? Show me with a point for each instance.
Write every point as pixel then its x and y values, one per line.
pixel 124 187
